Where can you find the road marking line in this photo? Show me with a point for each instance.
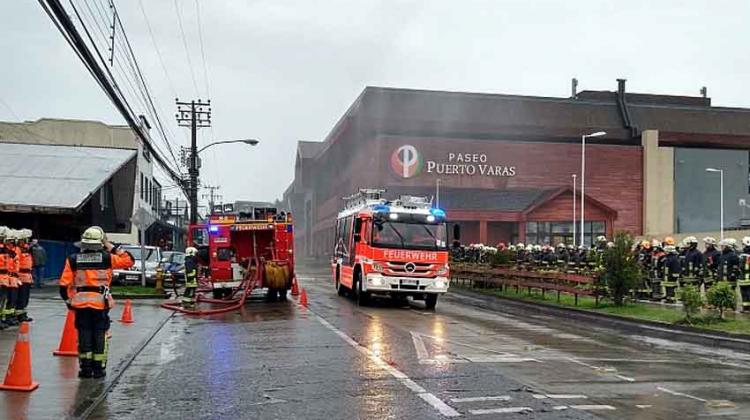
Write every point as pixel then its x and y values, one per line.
pixel 593 407
pixel 644 405
pixel 602 369
pixel 560 407
pixel 422 393
pixel 501 410
pixel 560 396
pixel 680 394
pixel 473 399
pixel 625 378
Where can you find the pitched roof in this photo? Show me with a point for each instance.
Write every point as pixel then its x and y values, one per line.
pixel 55 178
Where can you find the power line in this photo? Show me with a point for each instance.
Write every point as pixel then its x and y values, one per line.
pixel 187 50
pixel 203 52
pixel 64 23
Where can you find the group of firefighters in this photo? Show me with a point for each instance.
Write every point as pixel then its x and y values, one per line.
pixel 16 277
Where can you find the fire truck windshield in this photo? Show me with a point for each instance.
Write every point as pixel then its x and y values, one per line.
pixel 409 235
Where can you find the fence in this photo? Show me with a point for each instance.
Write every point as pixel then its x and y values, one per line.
pixel 57 251
pixel 574 284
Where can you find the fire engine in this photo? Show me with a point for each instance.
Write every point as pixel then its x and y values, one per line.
pixel 233 245
pixel 397 248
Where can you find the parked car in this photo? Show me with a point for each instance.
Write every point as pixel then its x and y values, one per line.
pixel 173 262
pixel 132 275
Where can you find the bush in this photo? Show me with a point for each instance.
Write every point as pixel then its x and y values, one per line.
pixel 500 258
pixel 691 301
pixel 620 271
pixel 722 297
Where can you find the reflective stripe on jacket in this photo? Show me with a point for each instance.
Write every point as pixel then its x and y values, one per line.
pixel 92 269
pixel 25 265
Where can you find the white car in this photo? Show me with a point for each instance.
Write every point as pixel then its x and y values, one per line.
pixel 133 274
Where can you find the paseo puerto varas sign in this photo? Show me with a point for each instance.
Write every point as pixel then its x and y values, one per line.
pixel 407 162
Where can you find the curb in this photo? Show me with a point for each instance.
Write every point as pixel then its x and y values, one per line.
pixel 740 342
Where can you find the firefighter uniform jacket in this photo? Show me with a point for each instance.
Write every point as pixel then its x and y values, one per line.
pixel 25 264
pixel 3 266
pixel 729 265
pixel 12 266
pixel 88 274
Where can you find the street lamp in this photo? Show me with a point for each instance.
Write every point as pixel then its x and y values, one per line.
pixel 574 210
pixel 721 191
pixel 583 173
pixel 194 172
pixel 249 142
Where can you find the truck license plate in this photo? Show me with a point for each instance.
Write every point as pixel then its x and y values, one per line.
pixel 409 282
pixel 132 278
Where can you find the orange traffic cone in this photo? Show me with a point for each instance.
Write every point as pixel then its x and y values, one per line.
pixel 295 287
pixel 127 313
pixel 69 340
pixel 303 298
pixel 18 377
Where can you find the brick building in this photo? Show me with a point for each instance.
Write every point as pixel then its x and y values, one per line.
pixel 502 166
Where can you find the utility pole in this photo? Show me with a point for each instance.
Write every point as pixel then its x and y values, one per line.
pixel 212 197
pixel 193 114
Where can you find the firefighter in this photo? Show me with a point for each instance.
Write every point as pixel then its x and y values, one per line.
pixel 693 263
pixel 3 276
pixel 672 271
pixel 711 257
pixel 12 266
pixel 84 286
pixel 729 262
pixel 191 276
pixel 601 243
pixel 25 277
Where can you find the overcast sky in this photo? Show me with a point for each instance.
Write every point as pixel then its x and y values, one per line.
pixel 283 71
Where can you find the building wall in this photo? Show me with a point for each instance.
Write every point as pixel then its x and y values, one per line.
pixel 658 184
pixel 697 192
pixel 613 173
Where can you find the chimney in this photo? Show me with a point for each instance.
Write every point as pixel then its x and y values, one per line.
pixel 574 88
pixel 704 92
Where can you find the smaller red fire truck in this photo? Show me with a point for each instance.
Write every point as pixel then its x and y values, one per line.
pixel 396 248
pixel 231 245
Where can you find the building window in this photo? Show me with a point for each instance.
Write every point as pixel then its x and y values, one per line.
pixel 553 233
pixel 104 197
pixel 143 186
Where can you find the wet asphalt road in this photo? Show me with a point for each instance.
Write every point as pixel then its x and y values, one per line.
pixel 335 360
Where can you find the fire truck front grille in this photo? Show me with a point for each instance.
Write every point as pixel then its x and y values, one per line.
pixel 400 268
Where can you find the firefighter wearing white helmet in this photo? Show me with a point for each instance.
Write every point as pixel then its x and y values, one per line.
pixel 13 282
pixel 729 261
pixel 711 256
pixel 693 260
pixel 745 259
pixel 25 277
pixel 84 286
pixel 191 276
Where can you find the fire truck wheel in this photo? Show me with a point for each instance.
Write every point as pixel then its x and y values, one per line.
pixel 430 301
pixel 271 295
pixel 340 288
pixel 363 298
pixel 282 295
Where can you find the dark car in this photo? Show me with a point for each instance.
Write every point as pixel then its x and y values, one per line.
pixel 173 263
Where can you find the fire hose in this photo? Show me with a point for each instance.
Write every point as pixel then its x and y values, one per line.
pixel 252 277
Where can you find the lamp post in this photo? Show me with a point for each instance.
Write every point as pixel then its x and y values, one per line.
pixel 437 193
pixel 583 175
pixel 194 172
pixel 721 199
pixel 574 210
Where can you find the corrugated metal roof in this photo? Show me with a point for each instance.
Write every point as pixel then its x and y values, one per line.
pixel 54 177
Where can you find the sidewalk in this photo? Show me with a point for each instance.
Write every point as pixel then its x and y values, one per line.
pixel 60 390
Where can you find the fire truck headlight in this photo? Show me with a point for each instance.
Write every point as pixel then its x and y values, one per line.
pixel 393 216
pixel 439 284
pixel 430 218
pixel 442 270
pixel 376 281
pixel 377 267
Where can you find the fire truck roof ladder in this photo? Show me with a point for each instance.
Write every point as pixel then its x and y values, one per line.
pixel 365 197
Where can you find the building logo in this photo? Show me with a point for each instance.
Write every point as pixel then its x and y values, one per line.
pixel 406 161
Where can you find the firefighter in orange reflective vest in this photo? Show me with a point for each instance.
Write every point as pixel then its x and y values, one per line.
pixel 25 265
pixel 3 276
pixel 191 276
pixel 11 251
pixel 84 286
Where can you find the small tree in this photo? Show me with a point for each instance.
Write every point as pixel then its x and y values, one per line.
pixel 620 271
pixel 500 258
pixel 691 301
pixel 722 297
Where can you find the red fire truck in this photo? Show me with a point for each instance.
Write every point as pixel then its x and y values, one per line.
pixel 232 245
pixel 396 248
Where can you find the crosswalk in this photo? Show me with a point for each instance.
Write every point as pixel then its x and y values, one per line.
pixel 504 404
